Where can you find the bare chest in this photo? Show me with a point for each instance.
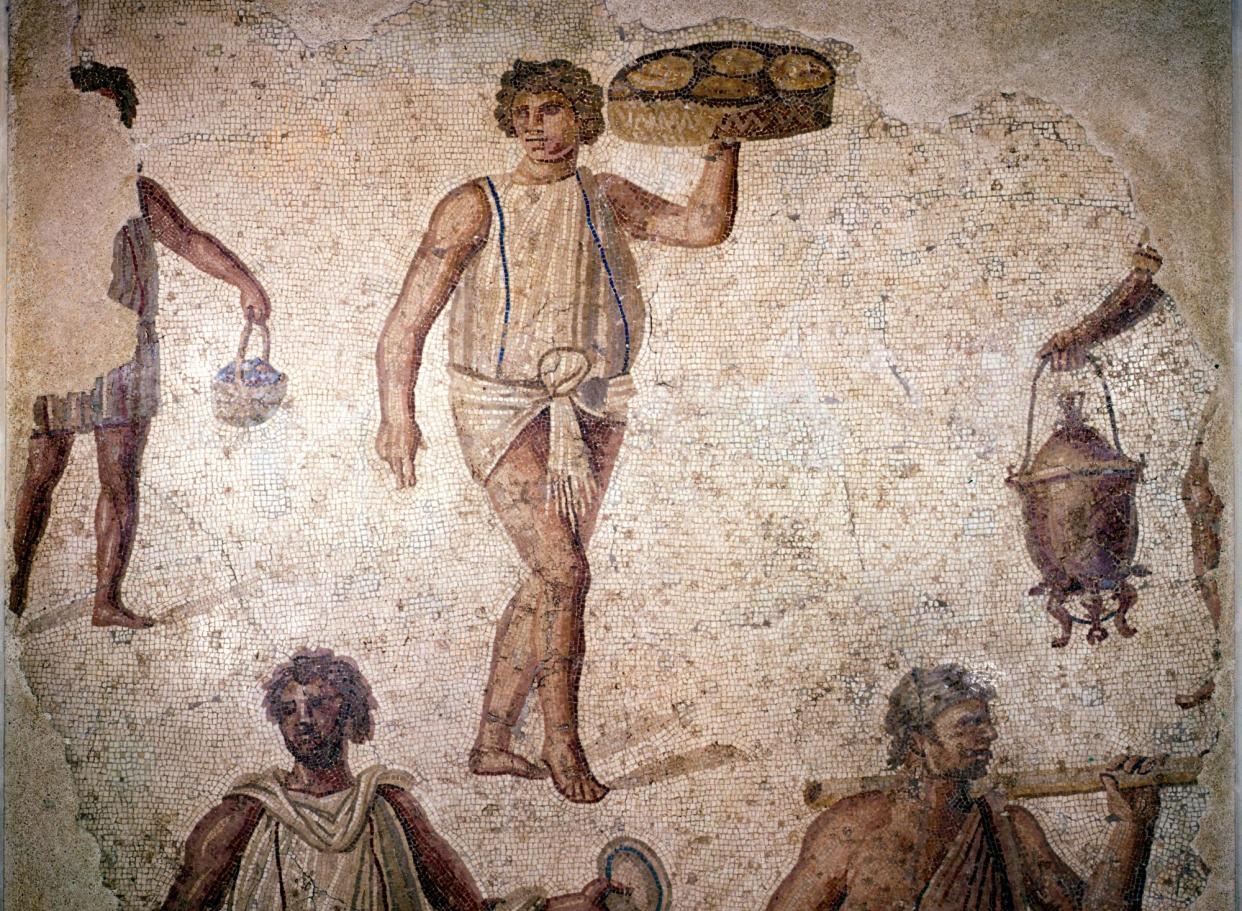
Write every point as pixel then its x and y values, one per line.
pixel 891 871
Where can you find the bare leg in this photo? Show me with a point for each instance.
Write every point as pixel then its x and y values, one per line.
pixel 561 678
pixel 548 608
pixel 46 458
pixel 562 647
pixel 512 674
pixel 515 656
pixel 119 450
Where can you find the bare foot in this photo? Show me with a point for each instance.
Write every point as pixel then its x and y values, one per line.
pixel 570 773
pixel 116 615
pixel 497 761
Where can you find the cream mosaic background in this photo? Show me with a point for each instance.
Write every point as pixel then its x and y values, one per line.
pixel 810 498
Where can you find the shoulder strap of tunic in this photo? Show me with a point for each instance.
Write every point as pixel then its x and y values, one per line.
pixel 603 258
pixel 504 268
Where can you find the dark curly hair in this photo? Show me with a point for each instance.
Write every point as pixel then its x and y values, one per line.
pixel 341 673
pixel 572 81
pixel 95 77
pixel 920 696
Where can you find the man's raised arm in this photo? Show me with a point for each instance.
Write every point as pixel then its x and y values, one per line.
pixel 1124 307
pixel 212 853
pixel 704 221
pixel 200 249
pixel 1118 880
pixel 458 228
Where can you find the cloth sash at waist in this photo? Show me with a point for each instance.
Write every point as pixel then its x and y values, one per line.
pixel 490 414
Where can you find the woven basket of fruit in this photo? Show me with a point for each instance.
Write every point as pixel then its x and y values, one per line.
pixel 247 391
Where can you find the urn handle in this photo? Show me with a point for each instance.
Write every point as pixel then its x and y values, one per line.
pixel 1030 414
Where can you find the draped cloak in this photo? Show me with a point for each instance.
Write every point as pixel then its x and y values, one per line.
pixel 346 850
pixel 982 870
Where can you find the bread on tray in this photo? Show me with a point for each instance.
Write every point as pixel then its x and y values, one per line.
pixel 720 90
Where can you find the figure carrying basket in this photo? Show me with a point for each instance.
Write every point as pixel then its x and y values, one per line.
pixel 540 393
pixel 118 405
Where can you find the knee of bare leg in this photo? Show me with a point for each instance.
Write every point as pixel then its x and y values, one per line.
pixel 565 570
pixel 552 664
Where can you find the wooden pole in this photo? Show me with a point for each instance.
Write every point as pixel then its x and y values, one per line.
pixel 1025 784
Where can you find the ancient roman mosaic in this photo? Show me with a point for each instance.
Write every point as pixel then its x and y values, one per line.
pixel 502 455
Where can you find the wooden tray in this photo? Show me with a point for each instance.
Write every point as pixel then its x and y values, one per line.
pixel 718 90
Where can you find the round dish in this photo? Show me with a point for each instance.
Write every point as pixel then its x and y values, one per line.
pixel 635 866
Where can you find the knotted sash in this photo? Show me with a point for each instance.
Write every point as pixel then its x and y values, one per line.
pixel 490 414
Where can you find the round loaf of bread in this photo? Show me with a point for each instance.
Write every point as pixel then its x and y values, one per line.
pixel 721 90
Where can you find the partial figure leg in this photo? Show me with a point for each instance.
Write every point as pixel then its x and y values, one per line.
pixel 512 671
pixel 46 459
pixel 509 682
pixel 119 450
pixel 555 554
pixel 564 632
pixel 562 648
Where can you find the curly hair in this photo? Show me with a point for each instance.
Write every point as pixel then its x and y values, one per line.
pixel 341 673
pixel 572 81
pixel 95 77
pixel 922 695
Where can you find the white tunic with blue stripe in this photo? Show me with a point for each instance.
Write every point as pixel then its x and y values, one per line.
pixel 555 276
pixel 571 283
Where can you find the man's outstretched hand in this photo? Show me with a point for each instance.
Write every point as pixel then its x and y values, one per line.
pixel 1121 310
pixel 591 898
pixel 398 443
pixel 1066 351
